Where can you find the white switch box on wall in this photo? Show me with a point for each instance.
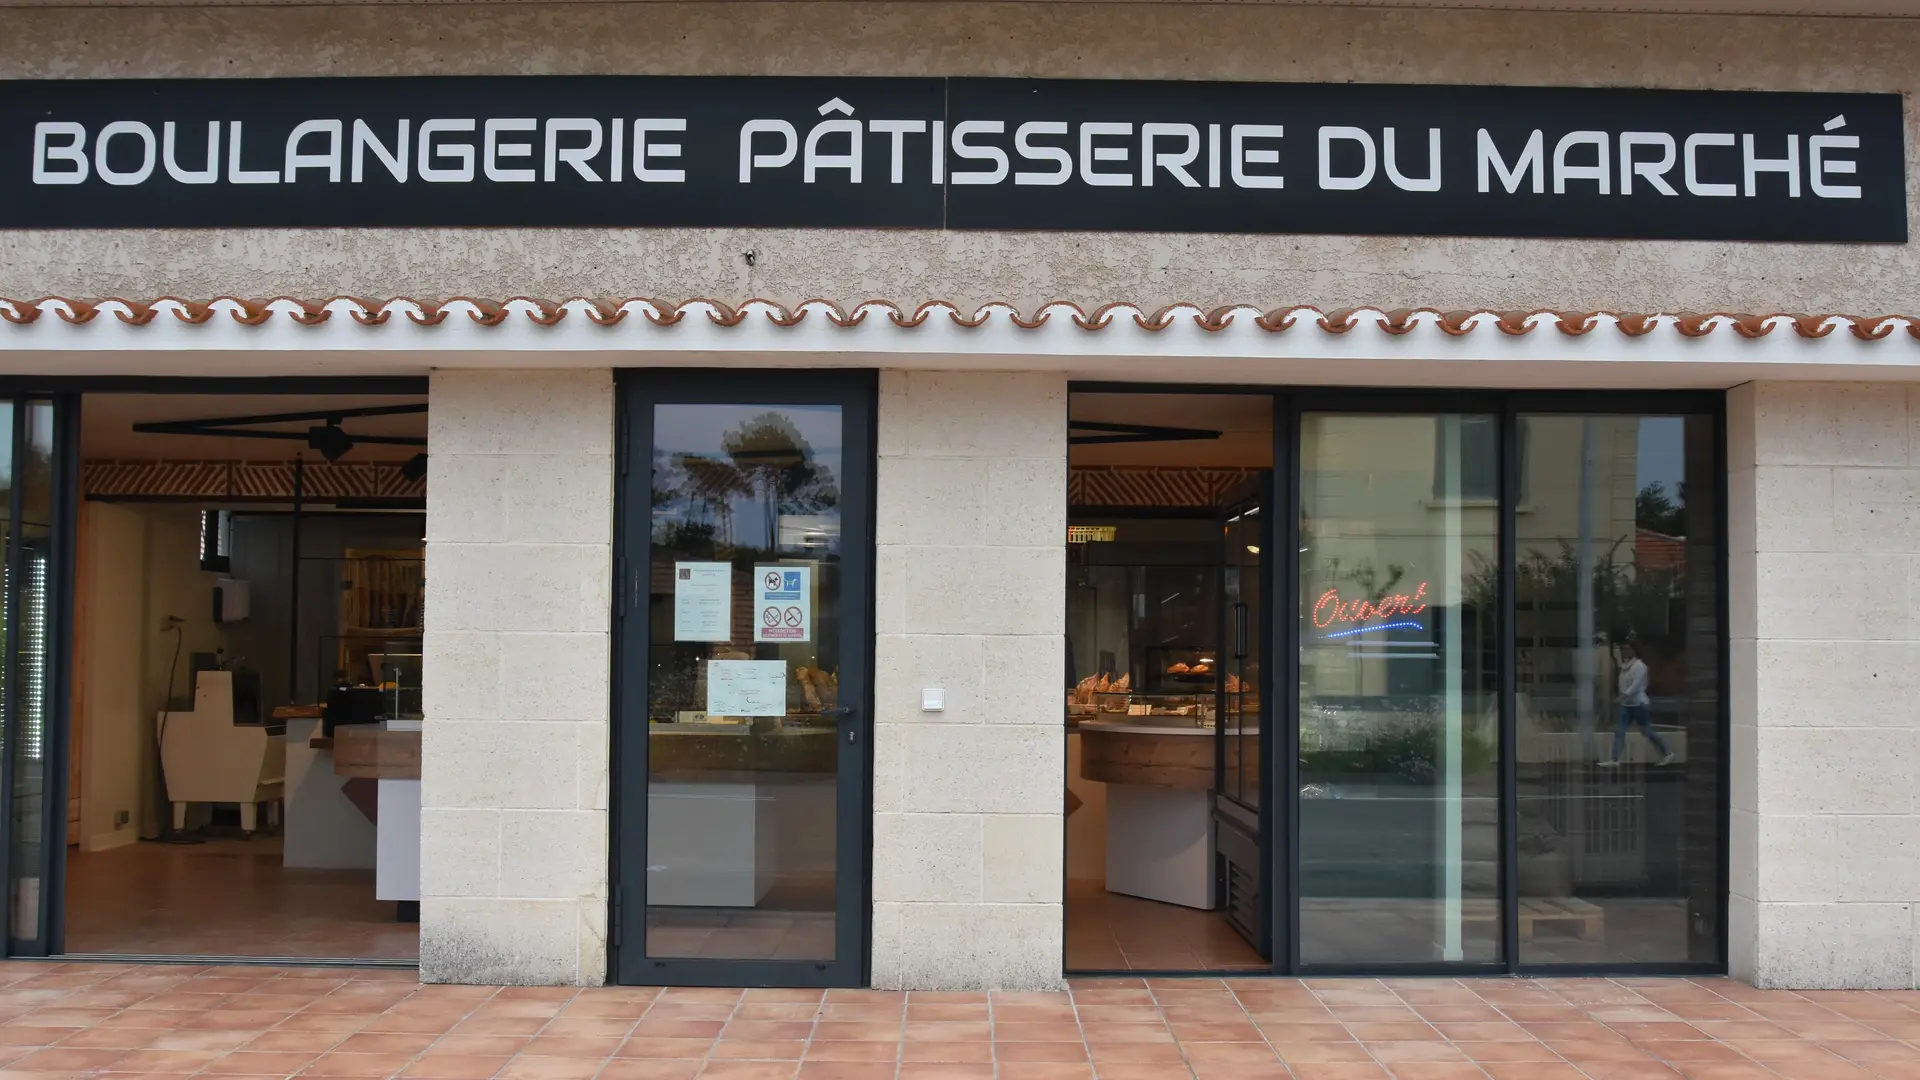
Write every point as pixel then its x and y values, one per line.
pixel 933 699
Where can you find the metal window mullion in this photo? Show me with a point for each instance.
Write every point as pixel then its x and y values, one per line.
pixel 1506 620
pixel 1286 621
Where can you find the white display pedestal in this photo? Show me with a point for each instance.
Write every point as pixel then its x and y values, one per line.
pixel 1160 844
pixel 710 844
pixel 396 870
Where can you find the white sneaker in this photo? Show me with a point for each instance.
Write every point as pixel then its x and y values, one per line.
pixel 1608 764
pixel 1668 760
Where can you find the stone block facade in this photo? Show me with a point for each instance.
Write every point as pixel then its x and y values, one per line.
pixel 970 597
pixel 514 773
pixel 1824 559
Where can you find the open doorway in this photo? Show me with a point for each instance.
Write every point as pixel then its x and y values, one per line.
pixel 1168 545
pixel 246 686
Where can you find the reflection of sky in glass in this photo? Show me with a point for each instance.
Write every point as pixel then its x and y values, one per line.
pixel 698 430
pixel 1663 453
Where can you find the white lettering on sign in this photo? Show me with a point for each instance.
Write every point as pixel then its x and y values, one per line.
pixel 1040 153
pixel 1244 155
pixel 1531 163
pixel 364 140
pixel 1407 183
pixel 1653 172
pixel 45 152
pixel 967 151
pixel 578 158
pixel 208 175
pixel 644 150
pixel 1062 160
pixel 1694 186
pixel 139 173
pixel 494 148
pixel 1368 155
pixel 328 159
pixel 431 152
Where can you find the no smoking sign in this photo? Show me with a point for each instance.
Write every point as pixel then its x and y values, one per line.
pixel 784 597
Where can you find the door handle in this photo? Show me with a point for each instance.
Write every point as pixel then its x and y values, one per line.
pixel 1239 631
pixel 840 712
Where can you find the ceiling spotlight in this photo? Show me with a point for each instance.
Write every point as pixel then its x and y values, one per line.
pixel 415 468
pixel 330 441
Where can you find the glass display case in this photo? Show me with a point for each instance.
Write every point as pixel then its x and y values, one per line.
pixel 1143 606
pixel 391 665
pixel 1197 708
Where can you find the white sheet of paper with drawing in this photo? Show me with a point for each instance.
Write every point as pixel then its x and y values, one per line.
pixel 747 688
pixel 702 601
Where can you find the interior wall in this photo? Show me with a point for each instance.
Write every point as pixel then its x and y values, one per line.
pixel 143 566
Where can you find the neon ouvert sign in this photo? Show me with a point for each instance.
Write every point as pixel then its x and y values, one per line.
pixel 1360 616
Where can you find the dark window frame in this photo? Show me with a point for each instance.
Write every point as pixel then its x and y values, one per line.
pixel 1282 755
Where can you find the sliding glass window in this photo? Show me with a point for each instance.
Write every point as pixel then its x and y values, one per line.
pixel 1510 716
pixel 1617 706
pixel 1399 819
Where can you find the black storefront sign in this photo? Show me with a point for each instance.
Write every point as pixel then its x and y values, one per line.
pixel 953 153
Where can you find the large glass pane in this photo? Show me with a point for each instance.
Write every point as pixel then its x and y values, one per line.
pixel 1618 668
pixel 1399 770
pixel 743 681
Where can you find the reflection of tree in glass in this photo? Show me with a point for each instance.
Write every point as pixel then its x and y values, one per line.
pixel 771 460
pixel 1364 575
pixel 764 459
pixel 1629 602
pixel 1657 511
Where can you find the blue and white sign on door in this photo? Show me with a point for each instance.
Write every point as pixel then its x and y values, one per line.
pixel 783 603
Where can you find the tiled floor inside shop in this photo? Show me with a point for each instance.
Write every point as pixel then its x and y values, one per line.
pixel 100 1020
pixel 1110 932
pixel 226 897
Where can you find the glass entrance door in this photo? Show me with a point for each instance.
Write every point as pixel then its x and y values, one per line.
pixel 745 569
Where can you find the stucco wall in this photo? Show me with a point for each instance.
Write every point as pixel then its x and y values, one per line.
pixel 1143 41
pixel 1824 541
pixel 514 776
pixel 970 597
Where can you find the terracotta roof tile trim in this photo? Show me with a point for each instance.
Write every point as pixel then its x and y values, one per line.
pixel 603 312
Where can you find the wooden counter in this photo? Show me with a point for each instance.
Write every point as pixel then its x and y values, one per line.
pixel 1153 754
pixel 370 752
pixel 727 752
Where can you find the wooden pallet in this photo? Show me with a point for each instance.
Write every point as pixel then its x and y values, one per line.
pixel 1588 919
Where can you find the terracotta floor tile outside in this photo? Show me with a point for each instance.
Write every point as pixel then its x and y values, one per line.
pixel 123 1020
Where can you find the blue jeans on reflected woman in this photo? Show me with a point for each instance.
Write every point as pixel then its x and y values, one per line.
pixel 1640 716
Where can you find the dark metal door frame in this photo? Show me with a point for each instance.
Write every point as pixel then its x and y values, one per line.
pixel 1257 493
pixel 48 920
pixel 856 392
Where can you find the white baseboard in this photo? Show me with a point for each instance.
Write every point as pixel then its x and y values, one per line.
pixel 109 840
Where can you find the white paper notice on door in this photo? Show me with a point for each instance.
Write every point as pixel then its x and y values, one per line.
pixel 747 688
pixel 702 601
